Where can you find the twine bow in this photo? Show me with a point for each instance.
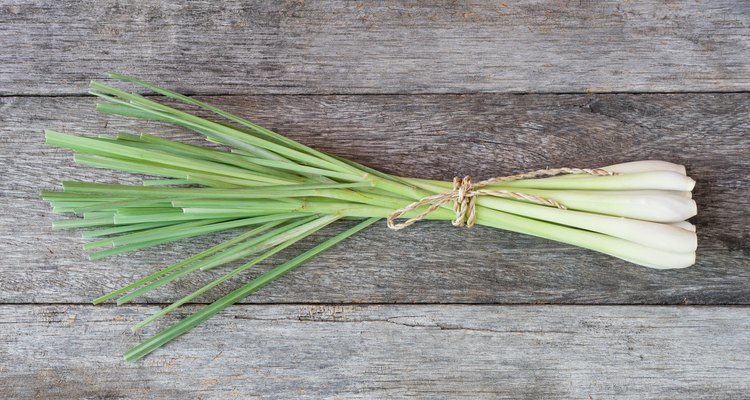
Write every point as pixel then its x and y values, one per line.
pixel 465 192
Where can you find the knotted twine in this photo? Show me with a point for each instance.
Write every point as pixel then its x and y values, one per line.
pixel 465 193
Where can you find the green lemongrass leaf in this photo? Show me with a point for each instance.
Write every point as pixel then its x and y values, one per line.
pixel 269 241
pixel 187 261
pixel 205 313
pixel 143 244
pixel 204 126
pixel 76 204
pixel 127 111
pixel 129 137
pixel 227 276
pixel 267 133
pixel 230 254
pixel 114 205
pixel 170 216
pixel 82 223
pixel 124 229
pixel 127 211
pixel 75 188
pixel 168 182
pixel 98 215
pixel 259 243
pixel 193 228
pixel 150 142
pixel 150 234
pixel 219 205
pixel 118 150
pixel 142 167
pixel 368 170
pixel 220 156
pixel 290 166
pixel 53 196
pixel 97 255
pixel 62 209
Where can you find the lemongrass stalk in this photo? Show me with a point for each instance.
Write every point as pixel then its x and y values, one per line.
pixel 204 126
pixel 103 148
pixel 343 209
pixel 171 216
pixel 227 255
pixel 620 248
pixel 653 180
pixel 168 182
pixel 188 233
pixel 187 261
pixel 647 205
pixel 266 133
pixel 149 234
pixel 193 228
pixel 52 196
pixel 648 255
pixel 207 312
pixel 228 276
pixel 114 205
pixel 81 223
pixel 655 206
pixel 73 189
pixel 212 180
pixel 127 248
pixel 75 204
pixel 224 224
pixel 655 235
pixel 124 229
pixel 267 241
pixel 127 110
pixel 215 155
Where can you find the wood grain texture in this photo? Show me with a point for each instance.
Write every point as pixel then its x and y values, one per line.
pixel 232 47
pixel 434 136
pixel 376 352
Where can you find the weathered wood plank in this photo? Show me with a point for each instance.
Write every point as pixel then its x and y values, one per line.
pixel 429 136
pixel 472 352
pixel 231 47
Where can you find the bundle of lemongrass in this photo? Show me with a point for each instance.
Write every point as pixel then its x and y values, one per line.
pixel 278 191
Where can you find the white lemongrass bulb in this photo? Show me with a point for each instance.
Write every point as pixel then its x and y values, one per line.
pixel 652 234
pixel 654 180
pixel 658 259
pixel 666 208
pixel 684 225
pixel 645 166
pixel 647 205
pixel 681 193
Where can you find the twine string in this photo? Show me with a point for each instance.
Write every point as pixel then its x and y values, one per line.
pixel 465 193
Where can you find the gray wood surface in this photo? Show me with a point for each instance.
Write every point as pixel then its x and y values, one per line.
pixel 430 136
pixel 229 47
pixel 376 352
pixel 419 88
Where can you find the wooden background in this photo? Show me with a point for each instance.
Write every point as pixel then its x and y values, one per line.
pixel 431 89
